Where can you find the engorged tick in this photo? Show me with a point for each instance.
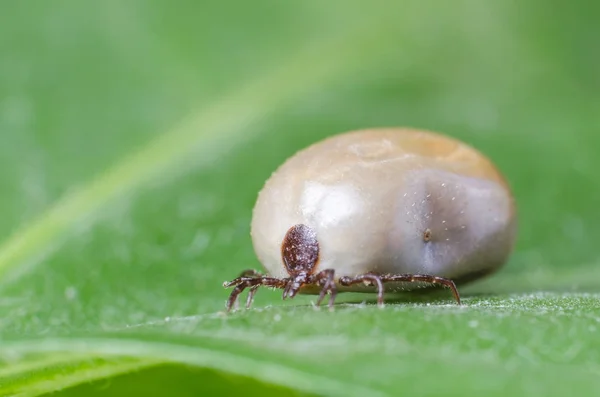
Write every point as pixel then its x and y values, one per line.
pixel 379 209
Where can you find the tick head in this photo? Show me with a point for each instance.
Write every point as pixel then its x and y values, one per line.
pixel 300 251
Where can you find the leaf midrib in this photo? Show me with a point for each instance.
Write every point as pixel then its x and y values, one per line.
pixel 242 363
pixel 63 378
pixel 238 364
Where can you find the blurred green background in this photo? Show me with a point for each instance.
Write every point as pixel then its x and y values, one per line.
pixel 135 135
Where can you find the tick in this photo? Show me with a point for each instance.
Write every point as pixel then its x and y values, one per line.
pixel 378 210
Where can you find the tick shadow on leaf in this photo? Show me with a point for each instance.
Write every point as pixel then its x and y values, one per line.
pixel 418 297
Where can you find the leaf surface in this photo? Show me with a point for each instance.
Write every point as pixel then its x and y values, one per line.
pixel 135 137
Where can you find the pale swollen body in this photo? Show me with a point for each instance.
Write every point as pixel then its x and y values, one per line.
pixel 389 201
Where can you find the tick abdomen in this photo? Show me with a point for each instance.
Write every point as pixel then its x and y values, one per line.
pixel 389 201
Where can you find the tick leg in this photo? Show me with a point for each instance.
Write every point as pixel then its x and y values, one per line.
pixel 372 278
pixel 252 291
pixel 250 297
pixel 425 278
pixel 241 283
pixel 326 279
pixel 246 274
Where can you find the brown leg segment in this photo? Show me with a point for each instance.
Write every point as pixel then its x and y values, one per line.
pixel 248 273
pixel 326 279
pixel 250 297
pixel 409 278
pixel 241 283
pixel 252 291
pixel 253 280
pixel 424 278
pixel 372 278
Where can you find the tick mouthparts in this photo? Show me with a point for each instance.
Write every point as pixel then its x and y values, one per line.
pixel 294 290
pixel 286 290
pixel 293 286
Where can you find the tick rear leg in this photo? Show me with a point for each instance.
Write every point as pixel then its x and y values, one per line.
pixel 409 278
pixel 424 278
pixel 241 283
pixel 363 278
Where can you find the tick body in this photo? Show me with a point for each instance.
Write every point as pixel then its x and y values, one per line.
pixel 380 210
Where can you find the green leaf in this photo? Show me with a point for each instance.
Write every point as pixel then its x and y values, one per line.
pixel 134 137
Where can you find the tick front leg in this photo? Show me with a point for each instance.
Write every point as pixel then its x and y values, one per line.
pixel 326 279
pixel 241 283
pixel 245 275
pixel 252 291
